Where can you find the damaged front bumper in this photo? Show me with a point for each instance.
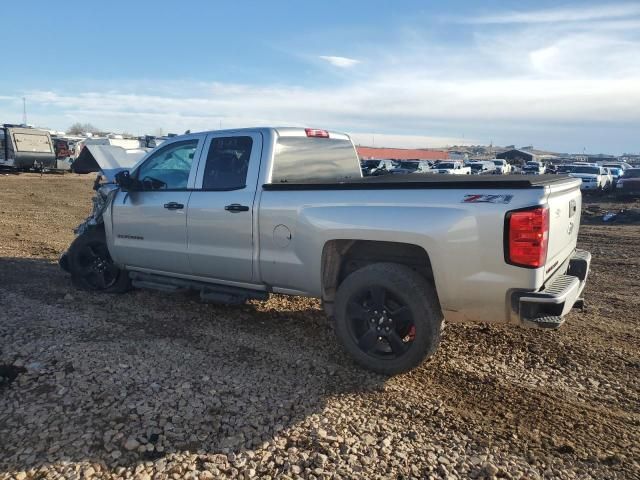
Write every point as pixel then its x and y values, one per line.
pixel 101 201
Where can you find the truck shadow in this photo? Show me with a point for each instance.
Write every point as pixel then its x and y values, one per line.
pixel 120 380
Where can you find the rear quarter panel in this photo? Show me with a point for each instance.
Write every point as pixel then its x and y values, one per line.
pixel 463 240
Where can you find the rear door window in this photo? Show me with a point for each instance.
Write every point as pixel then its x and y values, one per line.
pixel 227 163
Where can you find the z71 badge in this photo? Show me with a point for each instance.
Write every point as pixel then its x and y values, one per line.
pixel 487 198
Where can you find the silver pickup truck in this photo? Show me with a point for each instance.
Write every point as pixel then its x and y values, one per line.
pixel 239 214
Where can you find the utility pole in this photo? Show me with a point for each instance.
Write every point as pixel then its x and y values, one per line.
pixel 24 111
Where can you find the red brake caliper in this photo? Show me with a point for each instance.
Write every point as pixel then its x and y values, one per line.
pixel 412 334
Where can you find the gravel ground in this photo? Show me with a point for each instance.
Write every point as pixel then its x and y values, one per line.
pixel 145 385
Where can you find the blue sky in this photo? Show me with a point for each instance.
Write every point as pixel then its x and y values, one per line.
pixel 562 76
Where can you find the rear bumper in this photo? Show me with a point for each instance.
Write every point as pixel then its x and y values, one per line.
pixel 548 307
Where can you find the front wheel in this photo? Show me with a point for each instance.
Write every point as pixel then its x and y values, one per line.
pixel 388 318
pixel 91 266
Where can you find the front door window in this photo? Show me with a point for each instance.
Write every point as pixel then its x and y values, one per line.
pixel 169 167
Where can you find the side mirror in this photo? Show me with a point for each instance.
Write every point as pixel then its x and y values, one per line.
pixel 124 180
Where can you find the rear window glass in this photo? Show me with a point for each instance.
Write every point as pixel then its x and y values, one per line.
pixel 302 158
pixel 635 173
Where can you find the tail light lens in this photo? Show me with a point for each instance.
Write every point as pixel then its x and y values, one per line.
pixel 527 237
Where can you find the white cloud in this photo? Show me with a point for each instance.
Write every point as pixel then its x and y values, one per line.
pixel 340 62
pixel 561 86
pixel 577 13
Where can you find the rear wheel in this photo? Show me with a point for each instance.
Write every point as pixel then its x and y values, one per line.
pixel 388 318
pixel 91 266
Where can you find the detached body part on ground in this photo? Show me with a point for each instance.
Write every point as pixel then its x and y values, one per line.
pixel 243 213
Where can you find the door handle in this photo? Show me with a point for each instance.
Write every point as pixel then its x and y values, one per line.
pixel 236 207
pixel 173 206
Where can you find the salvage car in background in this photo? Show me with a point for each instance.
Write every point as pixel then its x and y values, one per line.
pixel 594 178
pixel 240 214
pixel 404 167
pixel 482 167
pixel 368 166
pixel 629 183
pixel 620 165
pixel 564 169
pixel 450 168
pixel 616 173
pixel 502 166
pixel 534 168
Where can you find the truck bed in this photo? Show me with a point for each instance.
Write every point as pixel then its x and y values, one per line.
pixel 427 181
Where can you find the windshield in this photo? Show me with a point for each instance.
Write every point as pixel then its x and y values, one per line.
pixel 446 165
pixel 498 162
pixel 591 170
pixel 633 173
pixel 565 169
pixel 476 166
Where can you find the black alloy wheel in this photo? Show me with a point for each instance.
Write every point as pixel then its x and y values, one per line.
pixel 380 323
pixel 388 317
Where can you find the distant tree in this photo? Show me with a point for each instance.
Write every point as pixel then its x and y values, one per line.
pixel 80 128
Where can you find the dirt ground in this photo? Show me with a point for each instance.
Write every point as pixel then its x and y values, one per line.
pixel 146 385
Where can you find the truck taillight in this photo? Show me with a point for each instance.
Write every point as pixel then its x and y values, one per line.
pixel 527 237
pixel 314 132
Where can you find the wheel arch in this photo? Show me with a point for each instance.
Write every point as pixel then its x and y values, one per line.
pixel 344 256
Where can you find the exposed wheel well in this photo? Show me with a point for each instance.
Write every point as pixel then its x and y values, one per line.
pixel 342 257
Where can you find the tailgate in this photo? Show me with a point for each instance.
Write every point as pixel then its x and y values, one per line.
pixel 565 206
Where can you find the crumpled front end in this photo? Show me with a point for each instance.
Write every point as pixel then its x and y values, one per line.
pixel 101 201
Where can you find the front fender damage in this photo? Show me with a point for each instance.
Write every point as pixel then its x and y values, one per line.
pixel 105 192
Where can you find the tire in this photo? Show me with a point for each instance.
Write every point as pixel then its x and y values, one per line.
pixel 91 266
pixel 376 340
